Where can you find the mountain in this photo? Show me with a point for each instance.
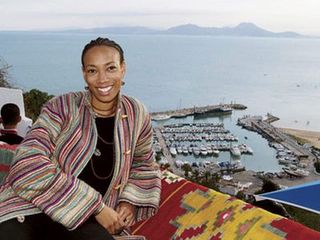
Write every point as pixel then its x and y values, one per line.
pixel 242 30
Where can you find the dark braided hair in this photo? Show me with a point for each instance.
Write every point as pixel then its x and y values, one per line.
pixel 102 42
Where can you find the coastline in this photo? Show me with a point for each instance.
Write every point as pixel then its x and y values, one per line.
pixel 307 136
pixel 250 181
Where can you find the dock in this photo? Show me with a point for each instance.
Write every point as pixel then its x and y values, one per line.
pixel 166 153
pixel 273 134
pixel 179 113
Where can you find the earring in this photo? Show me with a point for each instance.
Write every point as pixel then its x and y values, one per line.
pixel 86 88
pixel 123 82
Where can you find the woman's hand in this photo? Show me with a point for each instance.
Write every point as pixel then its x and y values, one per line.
pixel 110 220
pixel 127 213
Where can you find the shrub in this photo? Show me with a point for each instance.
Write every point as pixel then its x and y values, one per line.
pixel 33 101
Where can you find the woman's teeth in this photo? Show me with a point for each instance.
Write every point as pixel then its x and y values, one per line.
pixel 105 90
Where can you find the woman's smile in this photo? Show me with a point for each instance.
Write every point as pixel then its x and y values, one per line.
pixel 105 91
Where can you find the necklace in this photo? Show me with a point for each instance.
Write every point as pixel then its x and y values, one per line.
pixel 103 115
pixel 108 113
pixel 99 177
pixel 97 153
pixel 104 141
pixel 103 110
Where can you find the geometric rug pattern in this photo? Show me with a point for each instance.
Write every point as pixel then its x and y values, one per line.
pixel 191 211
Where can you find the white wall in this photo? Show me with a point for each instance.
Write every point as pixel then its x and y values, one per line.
pixel 9 95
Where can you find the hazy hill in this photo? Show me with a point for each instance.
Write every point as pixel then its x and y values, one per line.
pixel 242 30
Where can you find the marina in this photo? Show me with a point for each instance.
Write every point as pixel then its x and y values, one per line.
pixel 203 139
pixel 200 145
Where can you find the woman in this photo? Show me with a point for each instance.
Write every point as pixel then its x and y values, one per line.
pixel 85 170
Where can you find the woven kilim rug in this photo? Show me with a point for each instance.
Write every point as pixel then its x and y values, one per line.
pixel 191 211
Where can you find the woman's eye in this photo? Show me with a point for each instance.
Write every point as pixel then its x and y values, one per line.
pixel 91 71
pixel 112 68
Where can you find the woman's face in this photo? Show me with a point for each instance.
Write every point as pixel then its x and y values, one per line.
pixel 103 73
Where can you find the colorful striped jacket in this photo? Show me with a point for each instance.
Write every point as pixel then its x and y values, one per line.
pixel 43 176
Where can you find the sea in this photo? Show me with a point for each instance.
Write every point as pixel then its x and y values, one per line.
pixel 280 76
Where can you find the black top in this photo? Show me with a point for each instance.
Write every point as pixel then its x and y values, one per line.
pixel 11 138
pixel 99 170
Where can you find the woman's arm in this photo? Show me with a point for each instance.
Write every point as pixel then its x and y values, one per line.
pixel 144 183
pixel 36 177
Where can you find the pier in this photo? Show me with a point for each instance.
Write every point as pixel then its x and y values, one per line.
pixel 179 113
pixel 263 127
pixel 166 153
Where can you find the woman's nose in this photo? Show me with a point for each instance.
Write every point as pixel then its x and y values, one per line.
pixel 103 77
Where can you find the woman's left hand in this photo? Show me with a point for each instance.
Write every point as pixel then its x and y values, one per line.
pixel 127 213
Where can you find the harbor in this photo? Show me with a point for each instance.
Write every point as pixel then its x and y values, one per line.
pixel 201 144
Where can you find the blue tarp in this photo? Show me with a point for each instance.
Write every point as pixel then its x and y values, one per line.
pixel 306 196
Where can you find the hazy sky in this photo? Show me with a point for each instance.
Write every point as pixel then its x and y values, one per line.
pixel 275 15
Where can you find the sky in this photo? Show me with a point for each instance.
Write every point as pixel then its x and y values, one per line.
pixel 300 16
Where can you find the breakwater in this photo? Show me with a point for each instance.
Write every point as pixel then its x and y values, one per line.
pixel 178 113
pixel 273 134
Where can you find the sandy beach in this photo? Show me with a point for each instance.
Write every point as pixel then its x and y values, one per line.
pixel 312 137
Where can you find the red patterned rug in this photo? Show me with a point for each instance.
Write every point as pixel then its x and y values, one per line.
pixel 190 211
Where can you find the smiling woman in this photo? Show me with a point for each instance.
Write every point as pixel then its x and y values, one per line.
pixel 87 163
pixel 103 69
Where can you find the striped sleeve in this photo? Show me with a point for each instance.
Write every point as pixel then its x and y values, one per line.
pixel 37 178
pixel 144 183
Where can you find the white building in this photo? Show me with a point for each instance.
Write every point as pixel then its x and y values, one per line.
pixel 9 95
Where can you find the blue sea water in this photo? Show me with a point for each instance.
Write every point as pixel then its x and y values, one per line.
pixel 276 75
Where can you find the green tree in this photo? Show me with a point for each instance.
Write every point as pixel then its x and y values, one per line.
pixel 186 168
pixel 196 175
pixel 268 186
pixel 33 101
pixel 4 74
pixel 207 176
pixel 241 195
pixel 210 180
